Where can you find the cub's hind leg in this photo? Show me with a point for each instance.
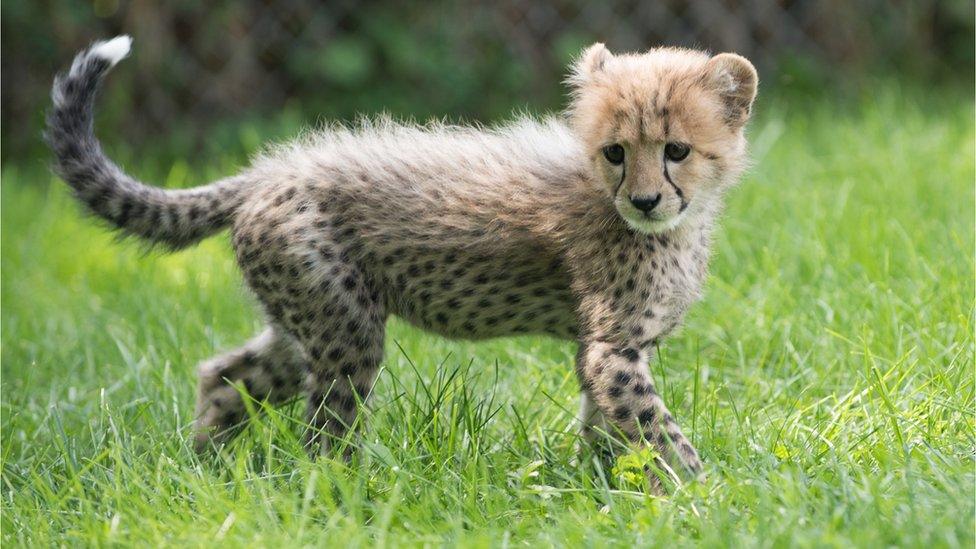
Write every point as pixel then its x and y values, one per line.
pixel 339 320
pixel 271 366
pixel 302 256
pixel 343 375
pixel 345 348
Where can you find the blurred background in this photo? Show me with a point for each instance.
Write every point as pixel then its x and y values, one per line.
pixel 218 78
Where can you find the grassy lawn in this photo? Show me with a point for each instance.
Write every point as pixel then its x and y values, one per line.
pixel 827 378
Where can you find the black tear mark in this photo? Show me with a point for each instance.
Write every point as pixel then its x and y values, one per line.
pixel 677 189
pixel 623 176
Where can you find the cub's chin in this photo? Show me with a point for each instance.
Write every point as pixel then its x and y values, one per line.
pixel 645 224
pixel 648 226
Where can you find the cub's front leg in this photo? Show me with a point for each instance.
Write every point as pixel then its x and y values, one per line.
pixel 617 385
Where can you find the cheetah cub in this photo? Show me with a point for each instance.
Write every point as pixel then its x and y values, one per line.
pixel 592 226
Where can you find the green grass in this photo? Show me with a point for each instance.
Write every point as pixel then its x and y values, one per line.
pixel 827 377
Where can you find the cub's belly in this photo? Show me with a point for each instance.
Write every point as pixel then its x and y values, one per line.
pixel 477 298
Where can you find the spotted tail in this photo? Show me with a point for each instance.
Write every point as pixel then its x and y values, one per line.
pixel 173 218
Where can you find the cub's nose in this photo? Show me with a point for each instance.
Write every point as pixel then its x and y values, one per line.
pixel 646 203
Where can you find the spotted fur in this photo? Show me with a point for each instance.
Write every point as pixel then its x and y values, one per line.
pixel 468 232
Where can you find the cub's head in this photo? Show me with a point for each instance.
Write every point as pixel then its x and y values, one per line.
pixel 663 129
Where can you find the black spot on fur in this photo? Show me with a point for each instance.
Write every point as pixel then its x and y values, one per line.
pixel 646 416
pixel 346 403
pixel 630 354
pixel 622 378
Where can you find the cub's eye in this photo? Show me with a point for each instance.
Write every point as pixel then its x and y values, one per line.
pixel 676 152
pixel 614 154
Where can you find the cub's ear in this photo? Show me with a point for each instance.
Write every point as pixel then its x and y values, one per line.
pixel 735 80
pixel 590 64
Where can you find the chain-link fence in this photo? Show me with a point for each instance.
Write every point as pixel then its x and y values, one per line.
pixel 197 63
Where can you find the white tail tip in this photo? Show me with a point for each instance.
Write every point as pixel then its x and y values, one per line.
pixel 113 50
